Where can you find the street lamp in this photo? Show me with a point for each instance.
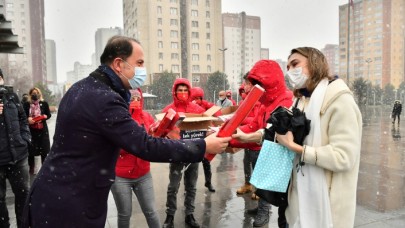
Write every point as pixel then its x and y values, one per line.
pixel 223 64
pixel 368 61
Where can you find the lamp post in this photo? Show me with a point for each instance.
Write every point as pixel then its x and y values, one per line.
pixel 223 63
pixel 368 61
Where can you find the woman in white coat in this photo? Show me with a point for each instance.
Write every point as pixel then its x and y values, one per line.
pixel 323 187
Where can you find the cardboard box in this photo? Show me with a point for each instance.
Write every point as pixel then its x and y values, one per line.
pixel 227 113
pixel 196 121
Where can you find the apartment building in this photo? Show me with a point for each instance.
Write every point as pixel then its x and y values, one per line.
pixel 101 37
pixel 331 52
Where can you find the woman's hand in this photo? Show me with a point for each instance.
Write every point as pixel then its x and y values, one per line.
pixel 30 120
pixel 287 140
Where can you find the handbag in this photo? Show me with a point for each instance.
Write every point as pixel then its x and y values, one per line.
pixel 273 167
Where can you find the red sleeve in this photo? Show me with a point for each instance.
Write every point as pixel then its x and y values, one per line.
pixel 167 107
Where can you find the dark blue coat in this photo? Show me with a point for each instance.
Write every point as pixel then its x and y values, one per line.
pixel 93 123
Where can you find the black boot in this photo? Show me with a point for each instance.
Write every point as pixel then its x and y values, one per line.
pixel 208 175
pixel 168 222
pixel 190 221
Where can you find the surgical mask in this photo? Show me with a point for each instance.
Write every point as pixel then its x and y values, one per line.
pixel 297 78
pixel 221 98
pixel 183 96
pixel 138 78
pixel 135 105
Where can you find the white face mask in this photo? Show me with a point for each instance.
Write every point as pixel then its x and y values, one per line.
pixel 297 78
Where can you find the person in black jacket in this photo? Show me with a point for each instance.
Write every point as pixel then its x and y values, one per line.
pixel 37 107
pixel 14 138
pixel 396 111
pixel 93 123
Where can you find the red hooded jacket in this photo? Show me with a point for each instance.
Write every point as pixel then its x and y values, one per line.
pixel 199 92
pixel 128 165
pixel 183 106
pixel 270 76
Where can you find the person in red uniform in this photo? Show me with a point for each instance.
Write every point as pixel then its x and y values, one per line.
pixel 229 96
pixel 133 174
pixel 197 95
pixel 267 74
pixel 182 103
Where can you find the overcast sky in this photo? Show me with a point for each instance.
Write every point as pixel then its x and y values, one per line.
pixel 285 24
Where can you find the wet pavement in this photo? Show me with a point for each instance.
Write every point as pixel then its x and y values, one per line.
pixel 380 195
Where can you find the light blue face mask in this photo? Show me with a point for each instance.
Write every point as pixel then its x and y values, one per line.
pixel 138 78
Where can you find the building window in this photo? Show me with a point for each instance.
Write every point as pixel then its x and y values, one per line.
pixel 208 57
pixel 175 56
pixel 208 47
pixel 194 35
pixel 207 14
pixel 196 68
pixel 159 33
pixel 160 21
pixel 195 46
pixel 160 67
pixel 194 13
pixel 160 44
pixel 160 55
pixel 175 68
pixel 196 78
pixel 173 11
pixel 208 36
pixel 173 1
pixel 173 22
pixel 194 2
pixel 207 3
pixel 195 57
pixel 174 33
pixel 208 25
pixel 175 45
pixel 209 69
pixel 159 9
pixel 194 24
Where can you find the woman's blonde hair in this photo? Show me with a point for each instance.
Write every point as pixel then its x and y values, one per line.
pixel 39 94
pixel 317 66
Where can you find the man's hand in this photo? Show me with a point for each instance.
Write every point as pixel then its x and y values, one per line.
pixel 247 138
pixel 216 145
pixel 1 109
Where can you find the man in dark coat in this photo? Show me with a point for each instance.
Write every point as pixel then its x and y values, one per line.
pixel 396 111
pixel 93 123
pixel 14 139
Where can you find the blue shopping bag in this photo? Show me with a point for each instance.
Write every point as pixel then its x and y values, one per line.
pixel 273 167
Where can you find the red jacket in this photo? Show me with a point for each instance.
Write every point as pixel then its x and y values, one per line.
pixel 268 73
pixel 183 106
pixel 128 165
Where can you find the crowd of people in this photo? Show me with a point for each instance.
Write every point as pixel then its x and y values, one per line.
pixel 103 143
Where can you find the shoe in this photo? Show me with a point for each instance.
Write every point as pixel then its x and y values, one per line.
pixel 190 221
pixel 255 197
pixel 168 222
pixel 253 211
pixel 246 188
pixel 261 219
pixel 209 186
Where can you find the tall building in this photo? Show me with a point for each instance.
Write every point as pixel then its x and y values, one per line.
pixel 79 72
pixel 375 47
pixel 179 36
pixel 27 21
pixel 51 75
pixel 331 52
pixel 101 38
pixel 242 38
pixel 264 53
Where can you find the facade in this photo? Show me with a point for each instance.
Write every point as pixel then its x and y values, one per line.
pixel 376 44
pixel 101 37
pixel 79 72
pixel 51 75
pixel 27 22
pixel 179 36
pixel 242 39
pixel 331 52
pixel 264 53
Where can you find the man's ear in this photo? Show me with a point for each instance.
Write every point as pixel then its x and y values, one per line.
pixel 117 65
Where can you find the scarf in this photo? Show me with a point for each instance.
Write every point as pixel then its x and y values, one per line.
pixel 313 195
pixel 35 109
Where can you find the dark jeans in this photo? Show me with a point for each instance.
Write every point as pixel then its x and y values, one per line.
pixel 207 170
pixel 249 162
pixel 394 117
pixel 190 181
pixel 18 177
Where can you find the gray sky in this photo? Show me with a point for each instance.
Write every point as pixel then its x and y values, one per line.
pixel 285 24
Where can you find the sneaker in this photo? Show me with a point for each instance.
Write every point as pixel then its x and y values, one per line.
pixel 246 188
pixel 168 222
pixel 190 221
pixel 261 219
pixel 255 197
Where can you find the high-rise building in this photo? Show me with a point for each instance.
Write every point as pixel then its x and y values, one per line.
pixel 264 53
pixel 51 75
pixel 101 38
pixel 79 72
pixel 179 36
pixel 375 47
pixel 27 21
pixel 331 52
pixel 242 38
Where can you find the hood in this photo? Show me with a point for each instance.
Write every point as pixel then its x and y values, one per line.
pixel 241 88
pixel 197 92
pixel 177 82
pixel 270 76
pixel 133 91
